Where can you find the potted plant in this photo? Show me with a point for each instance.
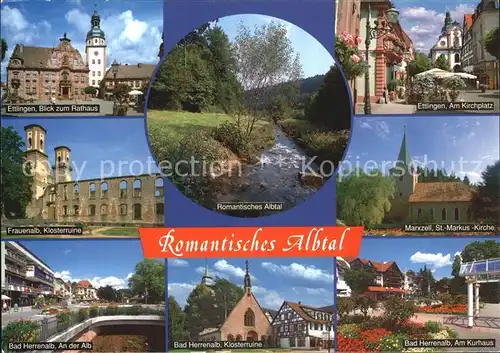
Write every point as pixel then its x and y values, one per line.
pixel 483 87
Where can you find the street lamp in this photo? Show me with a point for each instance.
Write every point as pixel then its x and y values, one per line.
pixel 378 30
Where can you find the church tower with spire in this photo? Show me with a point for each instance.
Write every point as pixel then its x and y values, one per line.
pixel 247 284
pixel 206 279
pixel 95 50
pixel 405 178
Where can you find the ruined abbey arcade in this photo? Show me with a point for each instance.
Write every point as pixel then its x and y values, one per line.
pixel 125 200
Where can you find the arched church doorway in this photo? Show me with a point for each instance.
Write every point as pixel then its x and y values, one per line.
pixel 252 336
pixel 457 68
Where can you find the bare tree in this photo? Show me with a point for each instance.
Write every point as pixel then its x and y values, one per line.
pixel 266 65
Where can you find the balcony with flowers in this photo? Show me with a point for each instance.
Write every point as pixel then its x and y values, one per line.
pixel 349 56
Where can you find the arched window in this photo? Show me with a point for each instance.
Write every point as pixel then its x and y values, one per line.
pixel 457 58
pixel 431 213
pixel 29 142
pixel 123 189
pixel 443 214
pixel 75 192
pixel 230 337
pixel 238 337
pixel 65 192
pixel 65 211
pixel 137 211
pixel 159 187
pixel 137 188
pixel 457 215
pixel 249 318
pixel 92 191
pixel 104 190
pixel 419 213
pixel 59 159
pixel 104 210
pixel 41 144
pixel 92 210
pixel 76 210
pixel 123 210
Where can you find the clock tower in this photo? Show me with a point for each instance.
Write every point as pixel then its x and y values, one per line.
pixel 95 49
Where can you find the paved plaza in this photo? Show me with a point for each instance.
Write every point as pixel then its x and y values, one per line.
pixel 465 96
pixel 105 108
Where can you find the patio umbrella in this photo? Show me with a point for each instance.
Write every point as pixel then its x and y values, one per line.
pixel 4 297
pixel 435 72
pixel 464 75
pixel 135 93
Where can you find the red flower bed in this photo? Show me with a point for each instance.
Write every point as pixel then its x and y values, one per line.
pixel 365 343
pixel 444 309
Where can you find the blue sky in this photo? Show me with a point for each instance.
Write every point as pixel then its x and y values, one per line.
pixel 133 31
pixel 436 253
pixel 314 58
pixel 99 147
pixel 75 260
pixel 441 139
pixel 422 20
pixel 273 280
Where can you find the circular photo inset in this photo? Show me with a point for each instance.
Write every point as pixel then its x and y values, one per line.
pixel 248 115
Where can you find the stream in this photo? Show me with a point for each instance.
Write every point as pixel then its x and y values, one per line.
pixel 275 178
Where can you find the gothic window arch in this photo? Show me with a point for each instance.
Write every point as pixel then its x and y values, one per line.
pixel 123 189
pixel 238 337
pixel 419 213
pixel 457 214
pixel 104 190
pixel 249 318
pixel 443 214
pixel 230 337
pixel 137 188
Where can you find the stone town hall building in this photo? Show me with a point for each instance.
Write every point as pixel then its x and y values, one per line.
pixel 38 73
pixel 125 200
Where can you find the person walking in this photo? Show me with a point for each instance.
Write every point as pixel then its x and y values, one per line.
pixel 477 85
pixel 4 307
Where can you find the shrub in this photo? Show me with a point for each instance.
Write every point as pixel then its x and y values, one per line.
pixel 135 310
pixel 83 314
pixel 373 322
pixel 459 299
pixel 20 331
pixel 352 319
pixel 63 317
pixel 345 306
pixel 399 310
pixel 364 304
pixel 451 332
pixel 349 330
pixel 445 298
pixel 230 136
pixel 111 310
pixel 432 326
pixel 94 311
pixel 422 90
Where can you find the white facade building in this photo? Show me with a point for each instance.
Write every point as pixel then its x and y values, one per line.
pixel 95 49
pixel 449 44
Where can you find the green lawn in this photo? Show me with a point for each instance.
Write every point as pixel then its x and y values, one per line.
pixel 126 232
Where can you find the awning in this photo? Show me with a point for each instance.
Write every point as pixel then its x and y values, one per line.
pixel 4 297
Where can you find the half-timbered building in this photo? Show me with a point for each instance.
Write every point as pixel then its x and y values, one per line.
pixel 301 326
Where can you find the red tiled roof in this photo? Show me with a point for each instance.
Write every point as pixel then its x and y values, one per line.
pixel 442 192
pixel 386 289
pixel 84 284
pixel 297 307
pixel 468 20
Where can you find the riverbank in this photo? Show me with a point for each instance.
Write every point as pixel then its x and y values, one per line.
pixel 325 146
pixel 264 169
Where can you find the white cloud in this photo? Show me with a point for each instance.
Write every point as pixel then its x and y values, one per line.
pixel 424 25
pixel 67 251
pixel 268 298
pixel 435 260
pixel 295 270
pixel 79 19
pixel 180 291
pixel 178 263
pixel 224 269
pixel 97 282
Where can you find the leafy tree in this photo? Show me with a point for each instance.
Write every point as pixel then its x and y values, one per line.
pixel 333 96
pixel 176 322
pixel 466 180
pixel 435 175
pixel 359 279
pixel 442 63
pixel 345 306
pixel 425 280
pixel 486 206
pixel 149 280
pixel 16 179
pixel 4 48
pixel 226 296
pixel 420 64
pixel 364 199
pixel 200 311
pixel 107 293
pixel 264 59
pixel 91 90
pixel 398 311
pixel 365 303
pixel 491 42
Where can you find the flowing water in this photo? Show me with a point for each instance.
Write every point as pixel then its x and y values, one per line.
pixel 275 178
